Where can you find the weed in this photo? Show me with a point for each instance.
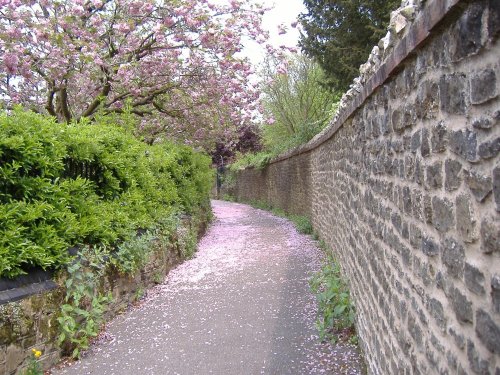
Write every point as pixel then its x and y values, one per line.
pixel 139 293
pixel 158 277
pixel 228 198
pixel 336 312
pixel 302 223
pixel 82 313
pixel 33 367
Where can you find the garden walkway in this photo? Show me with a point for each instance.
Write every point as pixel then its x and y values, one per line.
pixel 241 306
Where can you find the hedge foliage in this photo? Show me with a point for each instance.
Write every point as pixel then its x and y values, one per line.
pixel 63 185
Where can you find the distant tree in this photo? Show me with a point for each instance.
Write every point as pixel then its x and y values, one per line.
pixel 296 106
pixel 340 34
pixel 247 139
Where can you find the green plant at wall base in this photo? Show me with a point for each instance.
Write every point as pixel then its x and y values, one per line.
pixel 158 277
pixel 139 293
pixel 302 223
pixel 336 312
pixel 33 367
pixel 228 198
pixel 82 313
pixel 187 241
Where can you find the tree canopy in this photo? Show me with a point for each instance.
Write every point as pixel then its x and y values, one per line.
pixel 173 63
pixel 340 34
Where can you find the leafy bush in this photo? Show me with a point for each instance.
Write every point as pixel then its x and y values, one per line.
pixel 63 185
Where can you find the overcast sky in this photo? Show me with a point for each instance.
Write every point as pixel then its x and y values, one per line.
pixel 284 12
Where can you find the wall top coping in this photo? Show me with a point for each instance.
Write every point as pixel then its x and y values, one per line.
pixel 426 20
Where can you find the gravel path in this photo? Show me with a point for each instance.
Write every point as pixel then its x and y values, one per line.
pixel 241 306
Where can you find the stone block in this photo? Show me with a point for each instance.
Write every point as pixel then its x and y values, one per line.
pixel 396 222
pixel 409 164
pixel 483 86
pixel 488 331
pixel 468 32
pixel 418 176
pixel 434 175
pixel 425 148
pixel 464 144
pixel 461 305
pixel 453 93
pixel 453 257
pixel 479 185
pixel 477 364
pixel 451 360
pixel 458 337
pixel 429 246
pixel 453 175
pixel 415 141
pixel 15 357
pixel 415 331
pixel 442 214
pixel 406 256
pixel 493 19
pixel 415 237
pixel 428 209
pixel 490 235
pixel 482 123
pixel 489 149
pixel 466 218
pixel 417 204
pixel 427 102
pixel 495 292
pixel 474 279
pixel 397 121
pixel 436 310
pixel 496 187
pixel 407 142
pixel 439 137
pixel 407 200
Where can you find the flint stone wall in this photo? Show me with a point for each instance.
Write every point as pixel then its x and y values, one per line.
pixel 404 187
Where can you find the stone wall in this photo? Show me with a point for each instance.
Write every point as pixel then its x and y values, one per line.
pixel 285 185
pixel 31 322
pixel 404 187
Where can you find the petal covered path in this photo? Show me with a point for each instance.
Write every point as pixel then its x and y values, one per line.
pixel 242 305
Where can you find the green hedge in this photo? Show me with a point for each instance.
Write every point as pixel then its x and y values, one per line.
pixel 63 185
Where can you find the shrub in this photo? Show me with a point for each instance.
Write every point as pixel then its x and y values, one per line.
pixel 63 185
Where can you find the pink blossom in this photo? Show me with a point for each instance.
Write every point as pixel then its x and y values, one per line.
pixel 188 61
pixel 282 29
pixel 11 61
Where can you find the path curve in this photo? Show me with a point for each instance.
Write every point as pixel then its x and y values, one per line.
pixel 241 306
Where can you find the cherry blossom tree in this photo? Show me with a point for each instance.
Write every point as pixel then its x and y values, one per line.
pixel 172 63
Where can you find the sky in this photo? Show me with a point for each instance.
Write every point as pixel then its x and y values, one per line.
pixel 284 12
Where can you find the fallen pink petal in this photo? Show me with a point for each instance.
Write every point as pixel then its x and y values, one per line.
pixel 242 305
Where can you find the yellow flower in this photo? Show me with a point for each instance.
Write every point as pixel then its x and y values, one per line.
pixel 36 353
